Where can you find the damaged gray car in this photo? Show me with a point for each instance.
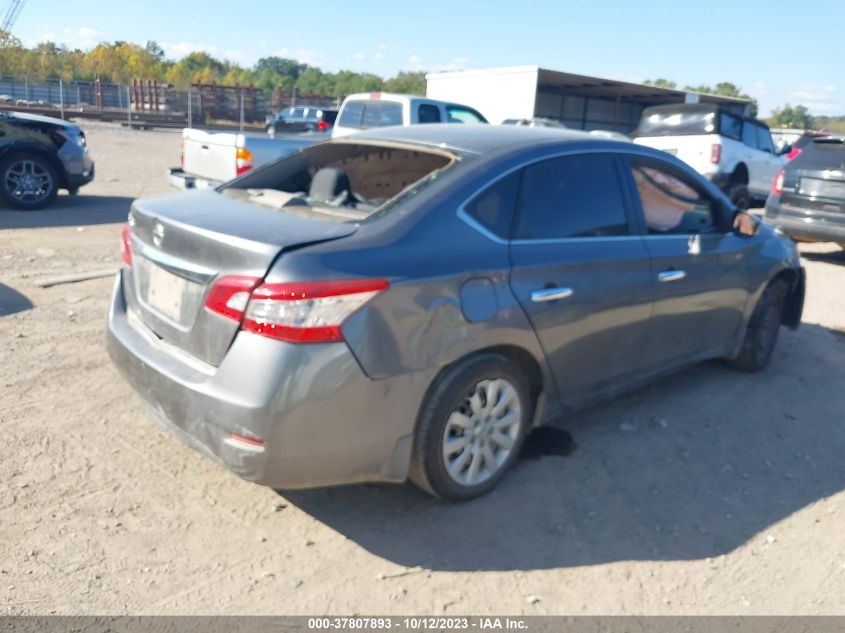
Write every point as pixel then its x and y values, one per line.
pixel 410 302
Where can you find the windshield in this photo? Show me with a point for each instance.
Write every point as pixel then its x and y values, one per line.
pixel 673 123
pixel 339 181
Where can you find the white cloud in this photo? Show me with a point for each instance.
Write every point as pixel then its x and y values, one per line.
pixel 360 56
pixel 87 33
pixel 234 56
pixel 302 55
pixel 180 49
pixel 459 63
pixel 817 99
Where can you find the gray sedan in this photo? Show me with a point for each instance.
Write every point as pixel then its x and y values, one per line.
pixel 411 302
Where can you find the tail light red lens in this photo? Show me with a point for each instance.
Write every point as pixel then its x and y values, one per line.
pixel 777 186
pixel 126 236
pixel 243 161
pixel 230 296
pixel 302 312
pixel 794 153
pixel 322 126
pixel 715 153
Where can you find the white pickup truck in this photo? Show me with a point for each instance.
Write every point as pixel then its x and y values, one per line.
pixel 212 158
pixel 736 153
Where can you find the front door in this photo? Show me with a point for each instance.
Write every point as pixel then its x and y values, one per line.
pixel 699 266
pixel 580 272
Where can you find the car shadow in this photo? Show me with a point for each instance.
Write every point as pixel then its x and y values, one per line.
pixel 12 301
pixel 692 467
pixel 80 210
pixel 828 257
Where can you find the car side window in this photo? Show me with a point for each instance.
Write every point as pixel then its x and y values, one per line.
pixel 749 134
pixel 671 203
pixel 493 208
pixel 730 126
pixel 458 114
pixel 571 196
pixel 764 139
pixel 428 113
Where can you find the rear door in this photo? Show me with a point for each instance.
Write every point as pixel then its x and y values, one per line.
pixel 579 272
pixel 699 266
pixel 815 182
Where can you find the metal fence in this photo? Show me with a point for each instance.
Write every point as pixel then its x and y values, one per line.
pixel 203 103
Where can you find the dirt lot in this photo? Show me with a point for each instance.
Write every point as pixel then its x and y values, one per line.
pixel 712 492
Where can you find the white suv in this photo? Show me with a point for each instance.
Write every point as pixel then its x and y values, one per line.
pixel 735 152
pixel 379 109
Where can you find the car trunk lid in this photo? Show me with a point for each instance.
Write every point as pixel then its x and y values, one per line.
pixel 182 244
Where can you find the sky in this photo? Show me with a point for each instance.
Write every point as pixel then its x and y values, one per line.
pixel 778 51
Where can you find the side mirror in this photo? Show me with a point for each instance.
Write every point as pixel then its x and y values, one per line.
pixel 785 149
pixel 746 224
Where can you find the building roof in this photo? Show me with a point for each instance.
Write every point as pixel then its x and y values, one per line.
pixel 584 85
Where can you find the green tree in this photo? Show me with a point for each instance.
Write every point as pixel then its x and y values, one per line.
pixel 794 117
pixel 411 83
pixel 661 83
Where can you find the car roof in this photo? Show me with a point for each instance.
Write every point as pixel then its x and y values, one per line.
pixel 37 118
pixel 481 138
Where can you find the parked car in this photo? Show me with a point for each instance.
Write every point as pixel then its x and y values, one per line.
pixel 794 149
pixel 380 109
pixel 734 152
pixel 808 198
pixel 38 156
pixel 534 122
pixel 209 159
pixel 412 300
pixel 302 119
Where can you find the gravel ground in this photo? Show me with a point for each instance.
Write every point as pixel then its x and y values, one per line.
pixel 713 492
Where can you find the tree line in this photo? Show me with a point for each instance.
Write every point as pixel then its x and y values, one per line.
pixel 120 62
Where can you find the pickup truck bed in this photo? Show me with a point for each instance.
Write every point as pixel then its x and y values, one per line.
pixel 212 158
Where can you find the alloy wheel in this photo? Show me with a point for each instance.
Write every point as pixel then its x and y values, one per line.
pixel 481 432
pixel 28 181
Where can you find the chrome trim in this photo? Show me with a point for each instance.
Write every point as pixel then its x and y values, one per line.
pixel 550 294
pixel 671 275
pixel 175 265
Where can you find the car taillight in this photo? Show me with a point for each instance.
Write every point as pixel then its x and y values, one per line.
pixel 793 153
pixel 243 161
pixel 322 126
pixel 777 186
pixel 715 153
pixel 127 244
pixel 301 312
pixel 230 296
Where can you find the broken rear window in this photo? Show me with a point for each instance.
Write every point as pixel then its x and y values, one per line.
pixel 341 181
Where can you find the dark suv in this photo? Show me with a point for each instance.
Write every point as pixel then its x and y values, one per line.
pixel 302 119
pixel 808 197
pixel 38 156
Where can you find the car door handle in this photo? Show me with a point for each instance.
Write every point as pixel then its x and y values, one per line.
pixel 671 275
pixel 550 294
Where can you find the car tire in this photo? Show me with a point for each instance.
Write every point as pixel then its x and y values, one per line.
pixel 739 195
pixel 471 427
pixel 37 171
pixel 762 331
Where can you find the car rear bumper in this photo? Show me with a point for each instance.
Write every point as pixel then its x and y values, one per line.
pixel 180 179
pixel 321 419
pixel 809 225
